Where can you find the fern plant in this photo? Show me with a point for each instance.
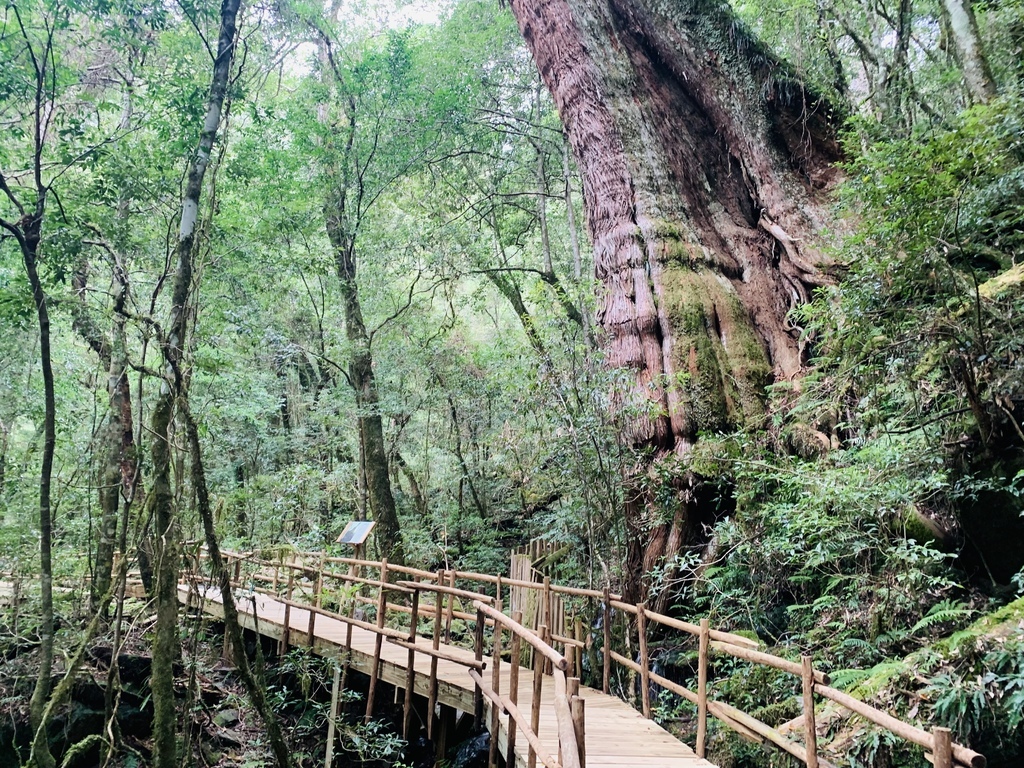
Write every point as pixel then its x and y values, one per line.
pixel 941 615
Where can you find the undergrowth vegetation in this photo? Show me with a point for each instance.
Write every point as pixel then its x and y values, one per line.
pixel 904 460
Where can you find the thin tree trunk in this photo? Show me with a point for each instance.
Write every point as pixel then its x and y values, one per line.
pixel 117 475
pixel 364 384
pixel 419 500
pixel 41 691
pixel 467 476
pixel 255 686
pixel 4 436
pixel 964 27
pixel 542 202
pixel 508 288
pixel 173 344
pixel 40 751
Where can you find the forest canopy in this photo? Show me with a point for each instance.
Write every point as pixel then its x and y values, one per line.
pixel 721 302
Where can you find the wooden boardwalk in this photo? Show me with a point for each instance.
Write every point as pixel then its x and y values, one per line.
pixel 617 736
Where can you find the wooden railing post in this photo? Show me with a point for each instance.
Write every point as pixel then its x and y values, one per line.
pixel 319 588
pixel 332 717
pixel 577 635
pixel 492 757
pixel 315 602
pixel 548 613
pixel 450 610
pixel 645 662
pixel 811 738
pixel 942 748
pixel 435 644
pixel 577 708
pixel 478 654
pixel 538 687
pixel 17 604
pixel 513 689
pixel 410 673
pixel 351 600
pixel 702 686
pixel 606 657
pixel 382 605
pixel 286 631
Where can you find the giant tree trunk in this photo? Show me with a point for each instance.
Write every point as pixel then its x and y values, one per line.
pixel 703 162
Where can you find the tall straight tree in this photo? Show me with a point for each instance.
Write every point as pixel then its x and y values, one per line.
pixel 366 104
pixel 703 163
pixel 33 84
pixel 173 343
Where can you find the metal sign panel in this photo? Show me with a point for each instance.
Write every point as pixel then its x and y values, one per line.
pixel 356 532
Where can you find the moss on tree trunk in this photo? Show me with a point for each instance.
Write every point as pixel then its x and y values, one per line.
pixel 703 163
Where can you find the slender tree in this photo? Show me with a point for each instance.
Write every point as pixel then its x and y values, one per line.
pixel 34 48
pixel 173 343
pixel 964 26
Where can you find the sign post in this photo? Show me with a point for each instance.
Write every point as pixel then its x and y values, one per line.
pixel 356 533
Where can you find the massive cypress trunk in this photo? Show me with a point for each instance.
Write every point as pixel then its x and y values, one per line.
pixel 703 165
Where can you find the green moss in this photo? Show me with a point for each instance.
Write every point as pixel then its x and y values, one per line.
pixel 675 248
pixel 1007 282
pixel 999 623
pixel 747 633
pixel 918 528
pixel 721 385
pixel 779 712
pixel 700 378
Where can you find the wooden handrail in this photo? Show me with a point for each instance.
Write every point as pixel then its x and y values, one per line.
pixel 437 653
pixel 557 659
pixel 768 660
pixel 463 593
pixel 693 629
pixel 685 626
pixel 384 631
pixel 906 731
pixel 945 753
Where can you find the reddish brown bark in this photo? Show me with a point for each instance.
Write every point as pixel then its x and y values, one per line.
pixel 703 163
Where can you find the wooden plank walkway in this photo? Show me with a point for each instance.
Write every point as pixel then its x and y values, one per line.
pixel 617 736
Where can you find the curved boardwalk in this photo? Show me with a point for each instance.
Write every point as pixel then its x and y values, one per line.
pixel 616 735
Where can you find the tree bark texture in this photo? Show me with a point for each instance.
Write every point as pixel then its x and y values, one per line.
pixel 173 344
pixel 364 384
pixel 703 164
pixel 32 235
pixel 964 26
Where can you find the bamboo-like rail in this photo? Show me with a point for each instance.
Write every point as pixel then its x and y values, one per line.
pixel 485 611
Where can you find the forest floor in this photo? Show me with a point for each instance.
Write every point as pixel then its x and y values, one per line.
pixel 221 729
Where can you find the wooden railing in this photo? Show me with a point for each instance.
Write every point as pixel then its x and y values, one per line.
pixel 301 581
pixel 298 580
